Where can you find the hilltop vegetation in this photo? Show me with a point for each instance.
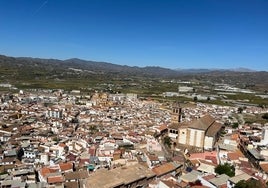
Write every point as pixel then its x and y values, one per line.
pixel 81 74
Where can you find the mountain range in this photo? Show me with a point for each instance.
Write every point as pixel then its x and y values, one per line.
pixel 36 70
pixel 104 66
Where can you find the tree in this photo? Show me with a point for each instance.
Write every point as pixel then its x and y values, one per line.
pixel 252 183
pixel 235 125
pixel 167 141
pixel 225 168
pixel 265 116
pixel 227 123
pixel 20 153
pixel 240 110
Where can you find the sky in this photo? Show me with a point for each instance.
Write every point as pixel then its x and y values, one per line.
pixel 166 33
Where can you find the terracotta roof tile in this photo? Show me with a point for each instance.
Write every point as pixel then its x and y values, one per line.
pixel 164 169
pixel 62 145
pixel 264 167
pixel 46 171
pixel 163 127
pixel 208 177
pixel 66 166
pixel 235 136
pixel 234 155
pixel 153 158
pixel 213 159
pixel 203 155
pixel 208 163
pixel 55 179
pixel 245 164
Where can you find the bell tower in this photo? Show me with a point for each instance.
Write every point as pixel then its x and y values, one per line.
pixel 176 113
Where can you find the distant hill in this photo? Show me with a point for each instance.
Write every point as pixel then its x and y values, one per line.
pixel 190 71
pixel 74 73
pixel 98 67
pixel 241 69
pixel 120 69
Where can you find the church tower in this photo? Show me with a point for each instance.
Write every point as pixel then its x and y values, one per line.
pixel 176 113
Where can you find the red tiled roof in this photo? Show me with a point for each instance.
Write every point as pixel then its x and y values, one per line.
pixel 46 170
pixel 213 159
pixel 235 136
pixel 164 169
pixel 195 162
pixel 62 145
pixel 206 162
pixel 153 158
pixel 249 171
pixel 55 179
pixel 245 164
pixel 163 127
pixel 71 157
pixel 234 155
pixel 264 167
pixel 208 177
pixel 205 156
pixel 66 166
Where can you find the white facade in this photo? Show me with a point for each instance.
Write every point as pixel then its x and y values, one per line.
pixel 44 158
pixel 30 154
pixel 5 137
pixel 192 137
pixel 182 139
pixel 208 143
pixel 56 113
pixel 199 138
pixel 264 152
pixel 172 133
pixel 196 137
pixel 162 185
pixel 153 145
pixel 184 89
pixel 265 135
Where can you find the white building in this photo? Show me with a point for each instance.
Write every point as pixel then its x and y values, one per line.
pixel 55 113
pixel 201 133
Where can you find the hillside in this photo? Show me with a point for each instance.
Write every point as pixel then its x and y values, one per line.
pixel 74 73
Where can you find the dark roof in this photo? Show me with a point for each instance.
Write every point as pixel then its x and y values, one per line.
pixel 9 159
pixel 202 123
pixel 213 129
pixel 82 174
pixel 176 126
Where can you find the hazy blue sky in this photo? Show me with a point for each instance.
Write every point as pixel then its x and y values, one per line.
pixel 167 33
